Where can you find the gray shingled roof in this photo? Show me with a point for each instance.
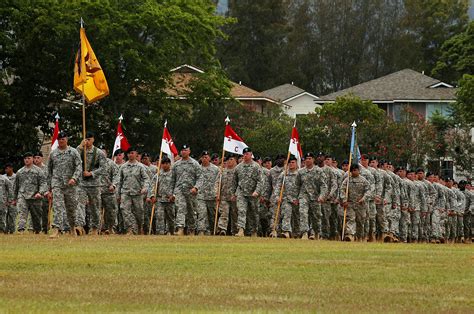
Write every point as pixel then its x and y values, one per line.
pixel 283 92
pixel 406 84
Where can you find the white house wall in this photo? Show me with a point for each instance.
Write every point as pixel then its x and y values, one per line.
pixel 301 105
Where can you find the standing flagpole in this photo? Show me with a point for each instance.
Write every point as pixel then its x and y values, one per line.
pixel 218 192
pixel 155 188
pixel 354 125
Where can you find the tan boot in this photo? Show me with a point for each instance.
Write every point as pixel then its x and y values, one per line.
pixel 222 232
pixel 273 234
pixel 240 233
pixel 304 236
pixel 180 232
pixel 129 232
pixel 349 238
pixel 386 238
pixel 285 235
pixel 93 232
pixel 54 233
pixel 201 233
pixel 254 235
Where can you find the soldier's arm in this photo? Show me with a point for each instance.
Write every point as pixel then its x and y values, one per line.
pixel 145 179
pixel 42 186
pixel 366 191
pixel 15 187
pixel 120 181
pixel 173 179
pixel 423 204
pixel 78 166
pixel 114 169
pixel 342 192
pixel 276 191
pixel 323 185
pixel 49 175
pixel 333 187
pixel 102 165
pixel 151 188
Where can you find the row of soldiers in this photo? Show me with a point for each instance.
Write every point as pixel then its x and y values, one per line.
pixel 90 193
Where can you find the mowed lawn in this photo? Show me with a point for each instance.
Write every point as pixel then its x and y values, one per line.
pixel 150 273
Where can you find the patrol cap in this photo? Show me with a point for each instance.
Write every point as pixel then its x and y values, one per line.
pixel 118 151
pixel 292 157
pixel 165 160
pixel 309 154
pixel 185 146
pixel 38 153
pixel 28 154
pixel 62 134
pixel 247 150
pixel 90 134
pixel 205 153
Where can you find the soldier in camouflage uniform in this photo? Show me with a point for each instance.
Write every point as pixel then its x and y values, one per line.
pixel 90 183
pixel 464 186
pixel 312 188
pixel 407 205
pixel 275 173
pixel 28 190
pixel 438 208
pixel 356 209
pixel 393 210
pixel 38 162
pixel 6 197
pixel 228 207
pixel 375 193
pixel 384 204
pixel 337 209
pixel 459 212
pixel 206 197
pixel 163 199
pixel 12 211
pixel 329 197
pixel 451 219
pixel 247 187
pixel 109 182
pixel 289 202
pixel 132 185
pixel 367 174
pixel 64 170
pixel 419 205
pixel 430 197
pixel 264 204
pixel 185 173
pixel 119 162
pixel 151 170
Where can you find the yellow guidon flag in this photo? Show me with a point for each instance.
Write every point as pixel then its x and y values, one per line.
pixel 89 79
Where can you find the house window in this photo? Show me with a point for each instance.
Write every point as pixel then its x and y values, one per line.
pixel 443 108
pixel 447 170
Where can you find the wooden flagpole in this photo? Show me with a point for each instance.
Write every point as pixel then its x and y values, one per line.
pixel 282 188
pixel 218 192
pixel 155 188
pixel 354 125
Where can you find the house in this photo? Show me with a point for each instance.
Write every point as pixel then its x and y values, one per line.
pixel 249 98
pixel 297 100
pixel 424 94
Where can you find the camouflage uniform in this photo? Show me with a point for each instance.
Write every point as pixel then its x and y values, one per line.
pixel 264 205
pixel 425 226
pixel 28 182
pixel 109 177
pixel 337 209
pixel 44 204
pixel 327 228
pixel 439 207
pixel 384 206
pixel 312 187
pixel 95 162
pixel 419 206
pixel 377 190
pixel 164 207
pixel 269 216
pixel 356 212
pixel 151 171
pixel 64 165
pixel 451 219
pixel 185 174
pixel 468 211
pixel 393 210
pixel 407 204
pixel 206 197
pixel 288 208
pixel 6 196
pixel 227 206
pixel 247 180
pixel 133 180
pixel 367 174
pixel 12 211
pixel 459 213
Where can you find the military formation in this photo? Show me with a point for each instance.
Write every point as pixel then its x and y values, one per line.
pixel 80 191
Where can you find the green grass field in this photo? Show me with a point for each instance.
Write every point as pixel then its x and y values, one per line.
pixel 142 273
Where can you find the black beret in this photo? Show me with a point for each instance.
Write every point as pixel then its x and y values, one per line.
pixel 354 166
pixel 165 160
pixel 205 153
pixel 185 146
pixel 309 154
pixel 62 134
pixel 90 134
pixel 247 150
pixel 292 157
pixel 39 153
pixel 118 151
pixel 28 154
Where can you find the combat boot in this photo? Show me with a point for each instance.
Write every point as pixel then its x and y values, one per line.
pixel 433 241
pixel 77 231
pixel 285 235
pixel 201 233
pixel 273 234
pixel 254 234
pixel 371 238
pixel 180 232
pixel 54 233
pixel 304 236
pixel 93 232
pixel 222 232
pixel 240 233
pixel 129 232
pixel 386 238
pixel 349 238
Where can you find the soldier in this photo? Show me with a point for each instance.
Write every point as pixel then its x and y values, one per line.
pixel 459 213
pixel 206 197
pixel 267 163
pixel 407 205
pixel 247 187
pixel 151 171
pixel 313 187
pixel 28 190
pixel 264 211
pixel 419 205
pixel 451 206
pixel 12 211
pixel 367 174
pixel 337 209
pixel 215 160
pixel 393 210
pixel 430 197
pixel 133 183
pixel 185 173
pixel 384 204
pixel 90 182
pixel 354 203
pixel 64 170
pixel 326 209
pixel 439 209
pixel 468 210
pixel 163 199
pixel 228 207
pixel 375 194
pixel 119 161
pixel 6 197
pixel 119 157
pixel 38 162
pixel 109 182
pixel 289 201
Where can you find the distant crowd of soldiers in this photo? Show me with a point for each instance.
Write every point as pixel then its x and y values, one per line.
pixel 88 193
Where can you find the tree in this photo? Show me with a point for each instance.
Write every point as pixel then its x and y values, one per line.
pixel 137 43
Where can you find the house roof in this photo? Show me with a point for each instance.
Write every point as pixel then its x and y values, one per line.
pixel 404 85
pixel 184 74
pixel 286 92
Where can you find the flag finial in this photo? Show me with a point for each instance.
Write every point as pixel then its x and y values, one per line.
pixel 56 116
pixel 227 120
pixel 166 122
pixel 294 124
pixel 354 124
pixel 120 118
pixel 82 23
